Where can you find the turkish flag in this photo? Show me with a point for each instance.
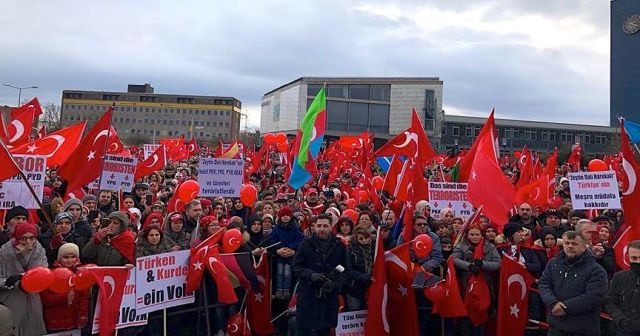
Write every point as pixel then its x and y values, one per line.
pixel 451 305
pixel 18 131
pixel 399 281
pixel 393 176
pixel 513 298
pixel 33 104
pixel 259 304
pixel 621 251
pixel 9 166
pixel 238 325
pixel 525 165
pixel 192 147
pixel 57 146
pixel 172 143
pixel 377 323
pixel 111 281
pixel 178 153
pixel 535 194
pixel 115 145
pixel 226 294
pixel 550 172
pixel 631 186
pixel 85 163
pixel 155 162
pixel 412 143
pixel 575 158
pixel 197 260
pixel 478 298
pixel 486 175
pixel 489 130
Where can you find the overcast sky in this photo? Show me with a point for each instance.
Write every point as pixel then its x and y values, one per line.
pixel 536 60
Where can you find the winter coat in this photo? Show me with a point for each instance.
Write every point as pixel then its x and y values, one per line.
pixel 581 286
pixel 608 261
pixel 623 299
pixel 60 315
pixel 534 226
pixel 182 238
pixel 74 236
pixel 102 253
pixel 531 258
pixel 360 266
pixel 143 248
pixel 434 259
pixel 26 307
pixel 289 236
pixel 320 311
pixel 463 256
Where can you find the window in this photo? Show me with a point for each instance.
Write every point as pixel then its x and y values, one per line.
pixel 208 123
pixel 146 121
pixel 552 136
pixel 337 91
pixel 227 113
pixel 359 92
pixel 358 117
pixel 545 136
pixel 226 124
pixel 443 130
pixel 600 140
pixel 507 133
pixel 565 137
pixel 190 111
pixel 312 90
pixel 379 118
pixel 128 109
pixel 337 115
pixel 476 130
pixel 380 92
pixel 215 113
pixel 516 134
pixel 467 131
pixel 135 109
pixel 164 122
pixel 208 112
pixel 456 130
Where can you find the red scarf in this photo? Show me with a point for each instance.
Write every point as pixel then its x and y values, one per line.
pixel 124 243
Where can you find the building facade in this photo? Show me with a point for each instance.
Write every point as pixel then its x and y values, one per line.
pixel 459 132
pixel 625 53
pixel 381 105
pixel 144 115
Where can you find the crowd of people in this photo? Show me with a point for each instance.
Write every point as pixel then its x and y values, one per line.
pixel 321 248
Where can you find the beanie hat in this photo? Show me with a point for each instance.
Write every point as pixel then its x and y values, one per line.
pixel 15 212
pixel 553 212
pixel 547 230
pixel 176 216
pixel 335 214
pixel 24 228
pixel 510 229
pixel 207 220
pixel 268 216
pixel 205 202
pixel 336 192
pixel 68 248
pixel 578 213
pixel 122 216
pixel 62 216
pixel 564 179
pixel 141 186
pixel 601 218
pixel 89 197
pixel 311 191
pixel 71 202
pixel 285 212
pixel 134 213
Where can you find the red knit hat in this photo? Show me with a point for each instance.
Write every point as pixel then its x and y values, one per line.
pixel 207 220
pixel 24 228
pixel 285 212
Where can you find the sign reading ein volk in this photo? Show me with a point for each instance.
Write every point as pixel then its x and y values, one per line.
pixel 220 177
pixel 351 323
pixel 117 173
pixel 15 192
pixel 594 190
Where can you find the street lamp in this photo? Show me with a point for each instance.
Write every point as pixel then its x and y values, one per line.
pixel 20 90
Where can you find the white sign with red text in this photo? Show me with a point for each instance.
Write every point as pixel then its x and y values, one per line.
pixel 594 190
pixel 15 192
pixel 449 195
pixel 117 173
pixel 351 323
pixel 149 149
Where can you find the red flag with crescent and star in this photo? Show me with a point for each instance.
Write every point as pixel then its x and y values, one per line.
pixel 85 163
pixel 115 145
pixel 238 325
pixel 401 292
pixel 111 281
pixel 198 259
pixel 18 130
pixel 226 294
pixel 154 162
pixel 10 167
pixel 630 186
pixel 451 305
pixel 57 146
pixel 259 304
pixel 377 323
pixel 192 147
pixel 513 298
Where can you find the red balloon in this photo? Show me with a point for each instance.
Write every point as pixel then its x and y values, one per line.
pixel 351 203
pixel 377 182
pixel 63 280
pixel 283 147
pixel 188 190
pixel 231 241
pixel 281 137
pixel 597 165
pixel 435 293
pixel 248 194
pixel 36 280
pixel 84 279
pixel 422 245
pixel 363 196
pixel 269 138
pixel 351 214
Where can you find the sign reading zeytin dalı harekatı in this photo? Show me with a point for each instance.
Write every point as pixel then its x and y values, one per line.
pixel 220 177
pixel 15 192
pixel 117 173
pixel 594 190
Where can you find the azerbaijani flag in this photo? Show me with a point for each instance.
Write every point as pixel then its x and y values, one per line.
pixel 308 141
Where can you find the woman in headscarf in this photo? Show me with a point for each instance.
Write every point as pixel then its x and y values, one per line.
pixel 20 254
pixel 65 233
pixel 80 224
pixel 152 241
pixel 175 232
pixel 112 245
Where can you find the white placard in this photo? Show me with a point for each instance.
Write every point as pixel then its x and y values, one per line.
pixel 149 149
pixel 351 323
pixel 161 281
pixel 594 190
pixel 74 332
pixel 128 316
pixel 118 172
pixel 449 195
pixel 15 192
pixel 220 177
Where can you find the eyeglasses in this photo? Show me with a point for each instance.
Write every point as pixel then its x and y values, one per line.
pixel 27 239
pixel 422 224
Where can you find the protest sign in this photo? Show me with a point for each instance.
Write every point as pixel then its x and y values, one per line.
pixel 220 177
pixel 161 281
pixel 117 173
pixel 128 316
pixel 74 332
pixel 449 195
pixel 594 190
pixel 351 323
pixel 15 192
pixel 149 149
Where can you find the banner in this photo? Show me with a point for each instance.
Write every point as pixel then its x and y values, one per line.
pixel 128 316
pixel 449 195
pixel 351 323
pixel 15 192
pixel 594 190
pixel 117 173
pixel 149 149
pixel 220 177
pixel 161 281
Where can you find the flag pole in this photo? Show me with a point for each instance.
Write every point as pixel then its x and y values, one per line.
pixel 106 143
pixel 35 196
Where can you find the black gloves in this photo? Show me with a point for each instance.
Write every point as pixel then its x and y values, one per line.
pixel 11 281
pixel 318 278
pixel 477 263
pixel 473 269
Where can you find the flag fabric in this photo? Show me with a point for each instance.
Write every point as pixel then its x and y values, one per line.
pixel 238 325
pixel 550 172
pixel 478 298
pixel 233 152
pixel 57 146
pixel 526 168
pixel 452 304
pixel 535 193
pixel 259 304
pixel 384 162
pixel 192 147
pixel 155 162
pixel 630 186
pixel 308 141
pixel 633 130
pixel 513 298
pixel 226 294
pixel 575 158
pixel 9 166
pixel 177 153
pixel 115 145
pixel 620 250
pixel 85 163
pixel 18 131
pixel 377 323
pixel 241 266
pixel 462 171
pixel 111 281
pixel 32 104
pixel 400 292
pixel 394 175
pixel 198 258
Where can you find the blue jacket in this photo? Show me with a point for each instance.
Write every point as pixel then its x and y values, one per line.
pixel 581 286
pixel 289 236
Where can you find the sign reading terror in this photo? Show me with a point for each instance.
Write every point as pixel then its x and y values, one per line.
pixel 449 195
pixel 118 172
pixel 15 192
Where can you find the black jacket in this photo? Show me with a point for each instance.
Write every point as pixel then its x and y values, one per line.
pixel 581 286
pixel 623 299
pixel 359 277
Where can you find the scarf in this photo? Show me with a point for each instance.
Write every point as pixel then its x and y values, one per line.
pixel 124 243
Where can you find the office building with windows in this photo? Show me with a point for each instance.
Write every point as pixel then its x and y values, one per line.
pixel 381 105
pixel 144 115
pixel 625 68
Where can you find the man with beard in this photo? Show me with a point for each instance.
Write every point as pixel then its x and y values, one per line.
pixel 312 202
pixel 623 297
pixel 318 264
pixel 192 213
pixel 527 220
pixel 104 202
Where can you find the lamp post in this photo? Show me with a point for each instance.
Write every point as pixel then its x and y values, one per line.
pixel 20 90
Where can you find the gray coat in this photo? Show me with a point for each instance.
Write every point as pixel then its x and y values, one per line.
pixel 26 307
pixel 463 256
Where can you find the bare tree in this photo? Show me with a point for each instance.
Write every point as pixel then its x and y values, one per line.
pixel 51 117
